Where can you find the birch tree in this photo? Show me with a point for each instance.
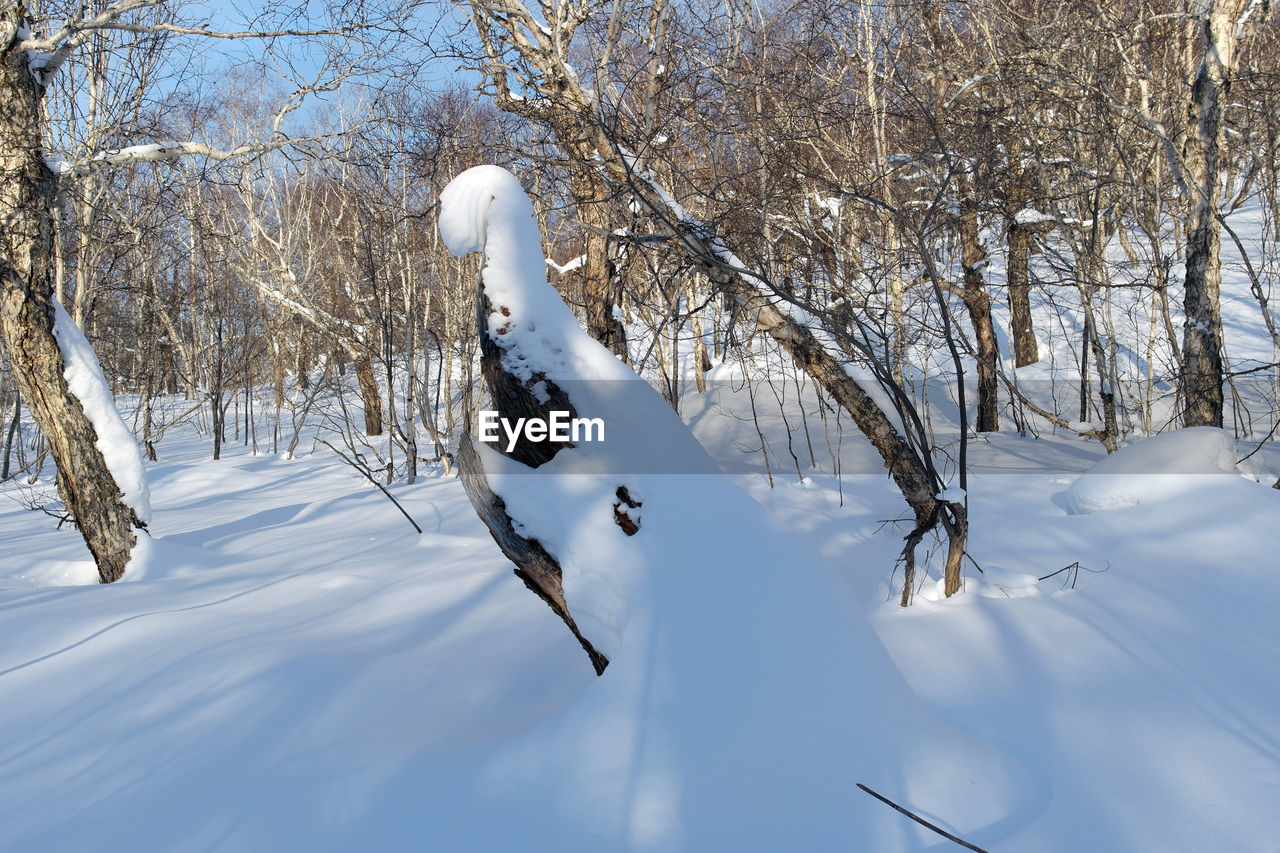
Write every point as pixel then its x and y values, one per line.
pixel 31 52
pixel 528 59
pixel 1225 23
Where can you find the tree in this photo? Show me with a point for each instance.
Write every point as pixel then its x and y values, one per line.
pixel 28 318
pixel 1224 22
pixel 30 321
pixel 528 68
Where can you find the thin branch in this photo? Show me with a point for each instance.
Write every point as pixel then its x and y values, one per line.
pixel 926 824
pixel 370 478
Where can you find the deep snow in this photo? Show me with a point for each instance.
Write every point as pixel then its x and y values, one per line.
pixel 307 671
pixel 299 669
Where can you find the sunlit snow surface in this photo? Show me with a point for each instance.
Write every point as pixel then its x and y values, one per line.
pixel 1152 469
pixel 300 670
pixel 719 721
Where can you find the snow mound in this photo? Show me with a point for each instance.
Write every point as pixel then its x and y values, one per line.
pixel 486 210
pixel 1154 469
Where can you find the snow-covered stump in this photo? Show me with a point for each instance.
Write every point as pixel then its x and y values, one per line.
pixel 531 346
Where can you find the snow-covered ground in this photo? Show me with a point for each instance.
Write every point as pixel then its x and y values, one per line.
pixel 307 671
pixel 300 669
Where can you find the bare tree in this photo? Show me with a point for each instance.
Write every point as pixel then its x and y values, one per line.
pixel 528 68
pixel 29 191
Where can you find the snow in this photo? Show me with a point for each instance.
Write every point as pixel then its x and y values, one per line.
pixel 115 441
pixel 301 669
pixel 569 266
pixel 486 209
pixel 1174 463
pixel 686 617
pixel 58 167
pixel 298 669
pixel 1030 216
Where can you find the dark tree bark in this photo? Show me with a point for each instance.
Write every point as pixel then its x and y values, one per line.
pixel 539 570
pixel 978 303
pixel 1025 349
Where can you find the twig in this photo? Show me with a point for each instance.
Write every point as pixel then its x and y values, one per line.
pixel 370 478
pixel 1075 565
pixel 1074 570
pixel 922 821
pixel 159 432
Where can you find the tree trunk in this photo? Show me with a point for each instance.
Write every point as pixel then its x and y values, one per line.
pixel 602 283
pixel 9 436
pixel 370 396
pixel 28 190
pixel 978 303
pixel 1202 337
pixel 1025 349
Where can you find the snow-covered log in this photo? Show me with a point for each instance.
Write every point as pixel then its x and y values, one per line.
pixel 539 364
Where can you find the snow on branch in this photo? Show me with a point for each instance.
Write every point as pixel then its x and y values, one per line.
pixel 567 266
pixel 159 152
pixel 316 317
pixel 49 54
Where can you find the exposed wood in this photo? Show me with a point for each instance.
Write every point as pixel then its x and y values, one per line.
pixel 514 398
pixel 625 513
pixel 538 569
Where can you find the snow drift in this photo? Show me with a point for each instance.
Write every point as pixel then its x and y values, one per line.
pixel 1153 469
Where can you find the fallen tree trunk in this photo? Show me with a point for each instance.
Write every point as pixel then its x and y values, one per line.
pixel 539 570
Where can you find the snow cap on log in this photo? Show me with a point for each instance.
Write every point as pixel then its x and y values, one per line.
pixel 542 345
pixel 486 210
